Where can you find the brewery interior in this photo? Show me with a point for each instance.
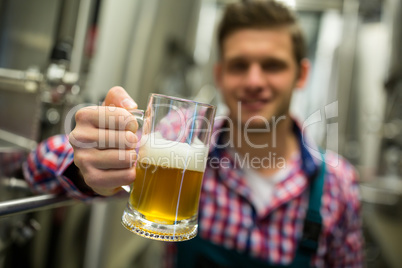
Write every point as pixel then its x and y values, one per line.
pixel 57 55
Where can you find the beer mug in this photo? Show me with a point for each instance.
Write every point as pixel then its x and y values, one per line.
pixel 171 161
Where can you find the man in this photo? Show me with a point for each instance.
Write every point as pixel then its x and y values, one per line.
pixel 255 209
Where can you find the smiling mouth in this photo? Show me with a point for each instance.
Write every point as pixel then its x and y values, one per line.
pixel 253 101
pixel 254 105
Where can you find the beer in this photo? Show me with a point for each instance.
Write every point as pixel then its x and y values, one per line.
pixel 166 195
pixel 168 180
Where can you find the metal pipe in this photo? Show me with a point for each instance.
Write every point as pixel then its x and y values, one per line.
pixel 11 184
pixel 31 74
pixel 85 13
pixel 17 80
pixel 12 74
pixel 32 204
pixel 20 141
pixel 345 74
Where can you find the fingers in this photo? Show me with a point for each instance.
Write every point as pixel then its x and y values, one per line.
pixel 110 179
pixel 103 138
pixel 106 118
pixel 105 171
pixel 118 97
pixel 109 182
pixel 105 159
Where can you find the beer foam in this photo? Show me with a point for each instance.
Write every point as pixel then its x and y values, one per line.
pixel 156 150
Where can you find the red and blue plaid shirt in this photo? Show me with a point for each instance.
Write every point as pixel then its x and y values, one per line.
pixel 227 217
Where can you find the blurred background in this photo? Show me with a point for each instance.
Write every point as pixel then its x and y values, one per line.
pixel 56 55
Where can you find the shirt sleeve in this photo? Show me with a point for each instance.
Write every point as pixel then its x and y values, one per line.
pixel 45 166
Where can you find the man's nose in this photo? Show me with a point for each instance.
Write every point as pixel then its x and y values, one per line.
pixel 255 77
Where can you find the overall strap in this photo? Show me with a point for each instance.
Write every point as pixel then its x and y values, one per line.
pixel 313 221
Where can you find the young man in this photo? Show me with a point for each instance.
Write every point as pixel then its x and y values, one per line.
pixel 271 203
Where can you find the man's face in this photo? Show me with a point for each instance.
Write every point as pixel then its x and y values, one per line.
pixel 257 74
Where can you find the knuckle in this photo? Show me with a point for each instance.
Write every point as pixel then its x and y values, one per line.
pixel 71 138
pixel 82 135
pixel 79 160
pixel 85 114
pixel 83 160
pixel 81 115
pixel 93 178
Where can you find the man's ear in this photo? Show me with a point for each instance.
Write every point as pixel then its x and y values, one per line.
pixel 304 71
pixel 218 74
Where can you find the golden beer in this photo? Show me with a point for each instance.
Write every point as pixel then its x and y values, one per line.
pixel 166 195
pixel 163 203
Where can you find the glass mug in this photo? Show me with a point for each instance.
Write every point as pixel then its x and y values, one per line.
pixel 171 161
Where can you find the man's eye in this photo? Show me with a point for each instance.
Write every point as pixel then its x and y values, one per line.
pixel 238 67
pixel 273 66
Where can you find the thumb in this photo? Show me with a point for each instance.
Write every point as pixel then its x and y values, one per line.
pixel 118 97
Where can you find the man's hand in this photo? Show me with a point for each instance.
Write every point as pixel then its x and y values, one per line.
pixel 104 142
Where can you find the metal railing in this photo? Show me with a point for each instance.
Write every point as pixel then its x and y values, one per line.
pixel 29 204
pixel 32 204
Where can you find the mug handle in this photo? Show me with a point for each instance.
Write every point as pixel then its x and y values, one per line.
pixel 139 116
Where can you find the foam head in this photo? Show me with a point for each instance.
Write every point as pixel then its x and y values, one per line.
pixel 158 151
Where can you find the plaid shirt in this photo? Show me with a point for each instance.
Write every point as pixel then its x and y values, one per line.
pixel 228 218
